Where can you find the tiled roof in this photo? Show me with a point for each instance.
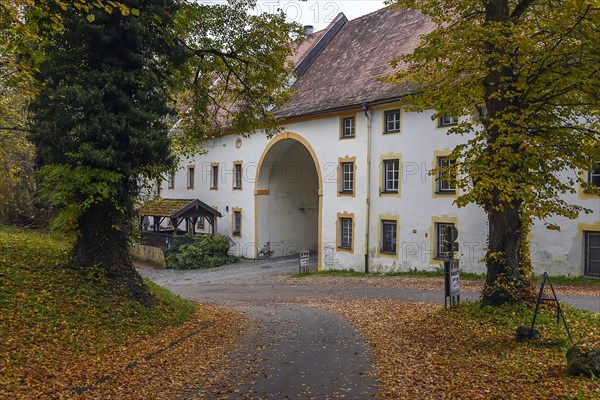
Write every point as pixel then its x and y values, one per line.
pixel 312 46
pixel 305 46
pixel 346 72
pixel 172 208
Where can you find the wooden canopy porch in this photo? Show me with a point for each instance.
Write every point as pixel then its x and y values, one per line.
pixel 189 211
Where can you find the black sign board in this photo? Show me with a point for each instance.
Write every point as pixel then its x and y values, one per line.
pixel 452 282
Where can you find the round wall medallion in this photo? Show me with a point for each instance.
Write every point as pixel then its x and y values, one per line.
pixel 238 143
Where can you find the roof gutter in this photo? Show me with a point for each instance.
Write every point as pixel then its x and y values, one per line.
pixel 355 106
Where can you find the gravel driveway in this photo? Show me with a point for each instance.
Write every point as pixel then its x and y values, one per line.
pixel 255 281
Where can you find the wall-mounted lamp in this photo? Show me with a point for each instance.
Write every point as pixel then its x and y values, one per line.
pixel 365 108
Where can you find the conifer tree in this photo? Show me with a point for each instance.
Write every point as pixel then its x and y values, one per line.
pixel 112 83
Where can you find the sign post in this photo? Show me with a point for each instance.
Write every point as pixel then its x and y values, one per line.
pixel 304 259
pixel 451 269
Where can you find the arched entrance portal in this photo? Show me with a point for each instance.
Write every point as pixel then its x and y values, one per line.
pixel 288 198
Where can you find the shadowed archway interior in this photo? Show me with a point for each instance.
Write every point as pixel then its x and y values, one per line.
pixel 287 198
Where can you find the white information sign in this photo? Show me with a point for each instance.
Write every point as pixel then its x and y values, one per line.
pixel 454 278
pixel 304 257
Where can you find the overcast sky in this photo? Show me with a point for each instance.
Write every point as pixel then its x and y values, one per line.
pixel 318 13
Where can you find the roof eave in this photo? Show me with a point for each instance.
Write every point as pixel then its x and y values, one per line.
pixel 332 110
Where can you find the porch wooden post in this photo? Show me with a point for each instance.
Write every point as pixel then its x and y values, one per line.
pixel 175 222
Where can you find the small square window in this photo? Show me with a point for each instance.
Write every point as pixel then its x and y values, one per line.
pixel 447 120
pixel 214 181
pixel 237 178
pixel 190 177
pixel 391 173
pixel 347 177
pixel 444 184
pixel 388 236
pixel 345 233
pixel 392 121
pixel 348 127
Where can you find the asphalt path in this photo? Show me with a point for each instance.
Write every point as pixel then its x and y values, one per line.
pixel 260 282
pixel 297 351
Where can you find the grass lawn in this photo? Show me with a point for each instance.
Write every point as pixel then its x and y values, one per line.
pixel 61 329
pixel 411 274
pixel 332 272
pixel 421 351
pixel 434 281
pixel 563 281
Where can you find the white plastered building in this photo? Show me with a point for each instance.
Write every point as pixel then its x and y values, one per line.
pixel 348 179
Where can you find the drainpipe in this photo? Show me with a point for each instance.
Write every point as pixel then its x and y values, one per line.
pixel 365 108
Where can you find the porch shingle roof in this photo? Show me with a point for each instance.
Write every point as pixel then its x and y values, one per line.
pixel 172 208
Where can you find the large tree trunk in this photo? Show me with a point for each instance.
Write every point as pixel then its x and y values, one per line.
pixel 103 244
pixel 508 261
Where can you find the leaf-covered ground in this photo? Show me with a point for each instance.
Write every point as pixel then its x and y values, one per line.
pixel 60 330
pixel 423 352
pixel 472 284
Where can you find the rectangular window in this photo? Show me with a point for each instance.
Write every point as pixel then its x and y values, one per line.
pixel 190 177
pixel 391 121
pixel 447 120
pixel 214 177
pixel 442 250
pixel 348 125
pixel 388 236
pixel 237 223
pixel 237 176
pixel 345 233
pixel 444 184
pixel 592 253
pixel 201 222
pixel 391 172
pixel 171 180
pixel 594 175
pixel 347 177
